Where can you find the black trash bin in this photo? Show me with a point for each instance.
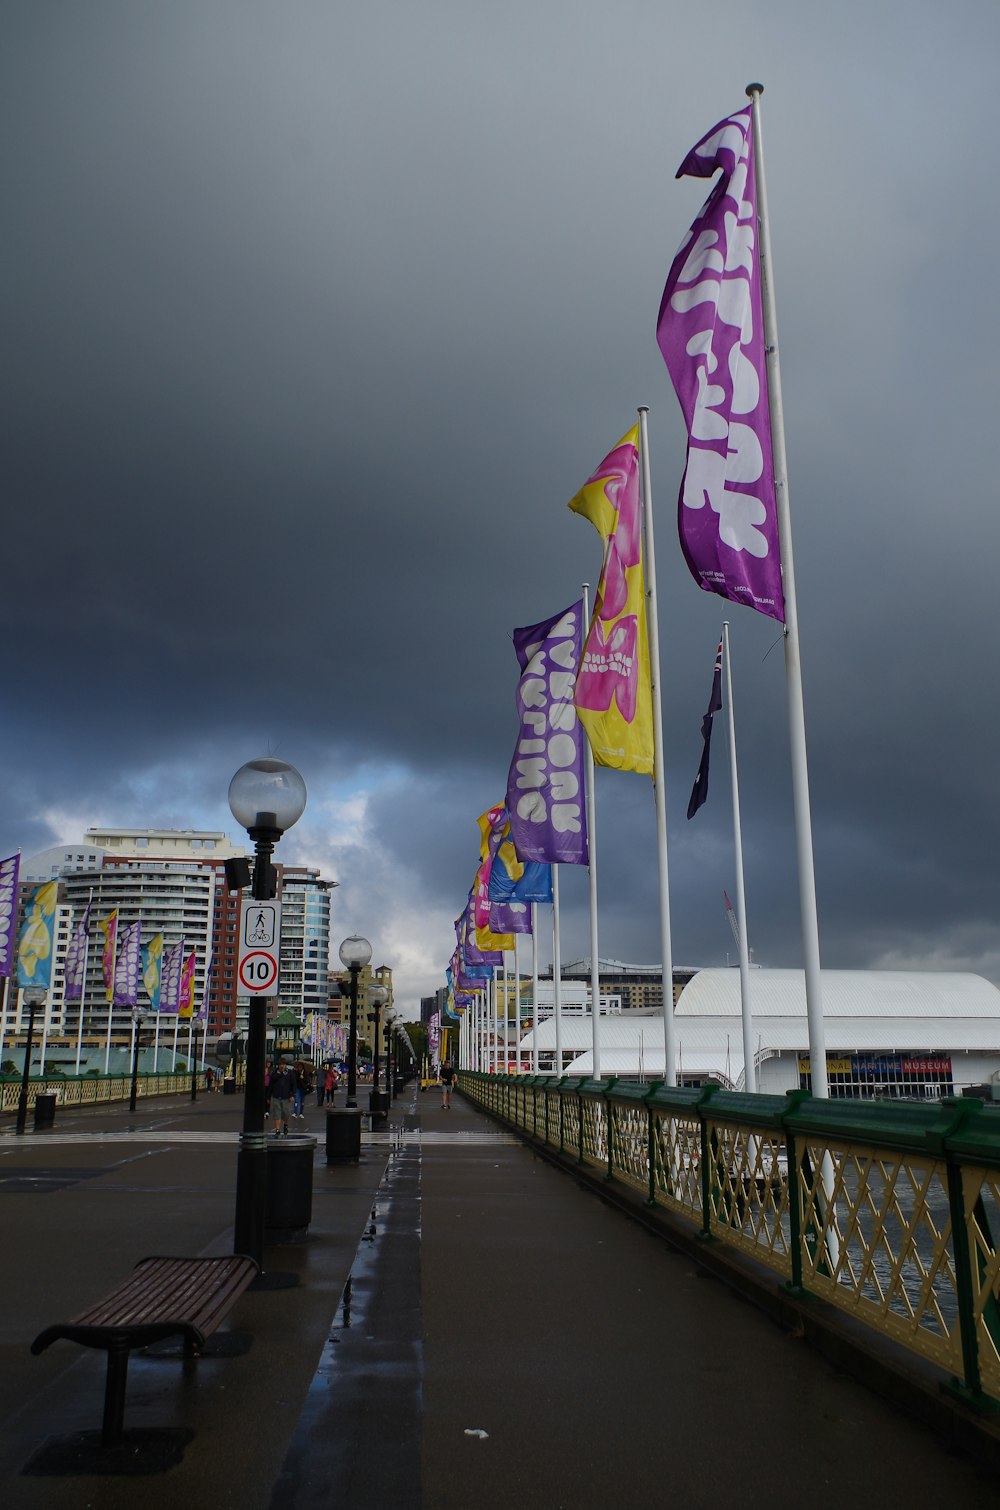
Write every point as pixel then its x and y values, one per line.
pixel 343 1134
pixel 45 1109
pixel 229 1086
pixel 289 1183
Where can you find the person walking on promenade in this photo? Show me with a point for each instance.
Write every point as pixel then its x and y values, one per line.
pixel 299 1093
pixel 330 1083
pixel 447 1077
pixel 282 1090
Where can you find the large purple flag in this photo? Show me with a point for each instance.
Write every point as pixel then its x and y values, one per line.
pixel 127 968
pixel 9 870
pixel 710 331
pixel 76 953
pixel 545 797
pixel 170 977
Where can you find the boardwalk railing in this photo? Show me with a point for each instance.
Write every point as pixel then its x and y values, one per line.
pixel 889 1211
pixel 93 1090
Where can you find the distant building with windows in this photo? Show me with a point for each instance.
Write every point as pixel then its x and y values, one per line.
pixel 639 987
pixel 174 883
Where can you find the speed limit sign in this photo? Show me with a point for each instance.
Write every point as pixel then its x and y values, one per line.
pixel 260 942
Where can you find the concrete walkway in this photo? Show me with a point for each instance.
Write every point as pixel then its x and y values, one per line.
pixel 506 1340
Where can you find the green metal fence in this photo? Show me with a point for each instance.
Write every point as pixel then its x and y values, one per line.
pixel 889 1211
pixel 93 1090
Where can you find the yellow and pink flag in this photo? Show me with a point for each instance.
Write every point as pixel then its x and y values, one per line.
pixel 109 928
pixel 185 1003
pixel 613 693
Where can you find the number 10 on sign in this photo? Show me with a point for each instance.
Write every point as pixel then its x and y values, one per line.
pixel 260 941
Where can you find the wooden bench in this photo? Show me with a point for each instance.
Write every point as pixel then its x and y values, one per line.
pixel 162 1297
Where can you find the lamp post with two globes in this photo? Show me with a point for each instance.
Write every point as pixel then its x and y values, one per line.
pixel 378 995
pixel 267 797
pixel 355 954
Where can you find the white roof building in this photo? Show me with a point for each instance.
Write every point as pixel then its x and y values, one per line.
pixel 885 1029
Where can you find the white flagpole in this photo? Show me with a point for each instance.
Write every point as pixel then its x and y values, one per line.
pixel 493 1044
pixel 177 1028
pixel 749 1066
pixel 111 1003
pixel 793 664
pixel 45 1024
pixel 3 1011
pixel 506 1018
pixel 659 774
pixel 556 972
pixel 83 985
pixel 595 968
pixel 517 1009
pixel 534 988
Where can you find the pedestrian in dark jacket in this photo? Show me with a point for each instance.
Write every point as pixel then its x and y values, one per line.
pixel 282 1091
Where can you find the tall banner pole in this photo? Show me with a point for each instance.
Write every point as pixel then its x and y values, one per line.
pixel 534 988
pixel 111 1013
pixel 591 798
pixel 506 1017
pixel 659 773
pixel 793 664
pixel 493 1045
pixel 749 1066
pixel 83 995
pixel 517 1008
pixel 46 1011
pixel 556 972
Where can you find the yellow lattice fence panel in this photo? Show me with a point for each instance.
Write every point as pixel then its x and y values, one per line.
pixel 878 1243
pixel 595 1131
pixel 570 1123
pixel 630 1144
pixel 748 1193
pixel 677 1163
pixel 981 1189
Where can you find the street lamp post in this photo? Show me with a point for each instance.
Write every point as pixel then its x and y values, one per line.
pixel 138 1018
pixel 267 797
pixel 194 1058
pixel 355 953
pixel 378 995
pixel 33 998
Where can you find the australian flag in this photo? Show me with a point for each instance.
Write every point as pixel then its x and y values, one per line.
pixel 700 789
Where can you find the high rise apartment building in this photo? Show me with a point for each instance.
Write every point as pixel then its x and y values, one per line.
pixel 174 883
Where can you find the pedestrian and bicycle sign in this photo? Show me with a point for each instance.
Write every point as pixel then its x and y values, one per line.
pixel 260 942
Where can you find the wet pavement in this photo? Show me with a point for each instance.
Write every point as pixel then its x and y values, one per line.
pixel 469 1327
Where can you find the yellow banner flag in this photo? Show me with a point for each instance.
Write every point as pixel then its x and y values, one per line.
pixel 613 695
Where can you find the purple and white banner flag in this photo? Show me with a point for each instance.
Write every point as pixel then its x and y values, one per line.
pixel 545 798
pixel 76 954
pixel 9 870
pixel 510 917
pixel 710 331
pixel 170 977
pixel 127 967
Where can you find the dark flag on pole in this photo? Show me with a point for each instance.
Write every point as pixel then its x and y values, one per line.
pixel 699 791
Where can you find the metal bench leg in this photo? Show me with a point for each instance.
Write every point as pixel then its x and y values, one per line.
pixel 114 1395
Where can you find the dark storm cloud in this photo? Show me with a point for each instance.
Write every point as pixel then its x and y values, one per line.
pixel 315 319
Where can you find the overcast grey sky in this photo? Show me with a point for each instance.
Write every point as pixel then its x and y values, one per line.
pixel 314 317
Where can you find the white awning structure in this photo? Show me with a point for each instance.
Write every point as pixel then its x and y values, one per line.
pixel 866 1012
